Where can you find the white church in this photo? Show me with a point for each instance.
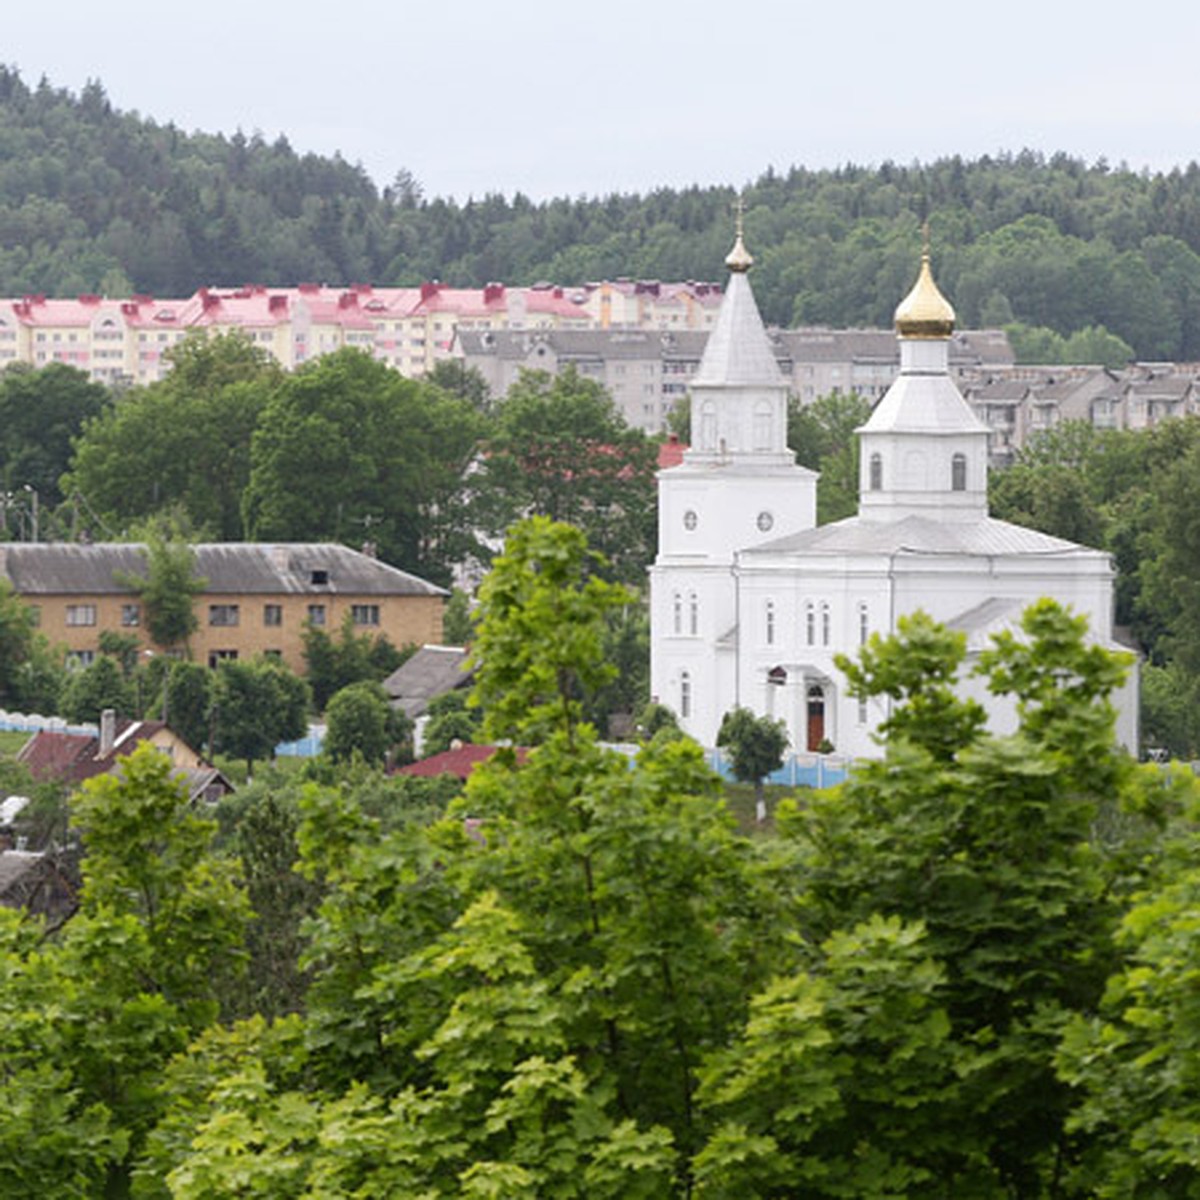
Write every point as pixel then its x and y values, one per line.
pixel 750 599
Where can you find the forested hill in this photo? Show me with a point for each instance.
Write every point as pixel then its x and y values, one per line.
pixel 92 199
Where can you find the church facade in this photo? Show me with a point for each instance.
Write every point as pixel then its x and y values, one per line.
pixel 751 599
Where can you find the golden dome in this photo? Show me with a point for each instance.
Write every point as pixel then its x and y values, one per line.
pixel 925 312
pixel 739 259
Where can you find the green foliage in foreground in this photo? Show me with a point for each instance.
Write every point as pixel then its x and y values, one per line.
pixel 965 972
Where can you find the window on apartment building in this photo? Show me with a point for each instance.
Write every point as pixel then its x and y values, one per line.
pixel 131 614
pixel 78 659
pixel 364 614
pixel 272 614
pixel 275 654
pixel 223 614
pixel 316 614
pixel 219 656
pixel 318 577
pixel 81 614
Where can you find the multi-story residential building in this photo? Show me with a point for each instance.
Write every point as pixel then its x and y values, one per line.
pixel 647 372
pixel 1019 402
pixel 257 598
pixel 124 341
pixel 650 304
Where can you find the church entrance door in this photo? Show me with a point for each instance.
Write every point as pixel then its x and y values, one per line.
pixel 816 717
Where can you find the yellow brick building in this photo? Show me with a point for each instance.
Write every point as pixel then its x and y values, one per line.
pixel 258 598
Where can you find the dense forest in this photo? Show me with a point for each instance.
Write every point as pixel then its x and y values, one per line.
pixel 93 199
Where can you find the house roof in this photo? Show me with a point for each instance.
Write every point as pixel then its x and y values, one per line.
pixel 61 568
pixel 73 757
pixel 460 761
pixel 432 671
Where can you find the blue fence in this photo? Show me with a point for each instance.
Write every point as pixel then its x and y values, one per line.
pixel 307 747
pixel 15 722
pixel 798 770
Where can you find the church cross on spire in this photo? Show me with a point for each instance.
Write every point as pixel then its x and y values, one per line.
pixel 740 259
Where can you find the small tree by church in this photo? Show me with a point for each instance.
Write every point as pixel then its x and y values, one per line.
pixel 756 746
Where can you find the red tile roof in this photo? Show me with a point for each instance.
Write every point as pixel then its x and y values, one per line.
pixel 460 761
pixel 74 757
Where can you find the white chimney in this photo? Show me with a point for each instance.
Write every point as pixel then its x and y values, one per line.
pixel 108 732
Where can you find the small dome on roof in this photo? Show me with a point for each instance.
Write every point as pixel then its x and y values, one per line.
pixel 925 312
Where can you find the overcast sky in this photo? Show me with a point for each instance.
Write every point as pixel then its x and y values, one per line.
pixel 565 97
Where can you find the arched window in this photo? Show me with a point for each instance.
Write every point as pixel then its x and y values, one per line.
pixel 958 473
pixel 864 624
pixel 693 614
pixel 810 624
pixel 770 622
pixel 876 481
pixel 685 694
pixel 677 612
pixel 824 624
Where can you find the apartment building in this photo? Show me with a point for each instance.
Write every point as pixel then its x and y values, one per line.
pixel 1019 402
pixel 258 598
pixel 648 372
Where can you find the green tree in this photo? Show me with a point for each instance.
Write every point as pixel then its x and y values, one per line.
pixel 1133 1062
pixel 348 450
pixel 756 747
pixel 458 628
pixel 358 721
pixel 987 842
pixel 91 1017
pixel 189 702
pixel 256 705
pixel 454 376
pixel 41 412
pixel 450 720
pixel 31 674
pixel 559 449
pixel 92 689
pixel 541 628
pixel 182 443
pixel 168 591
pixel 334 662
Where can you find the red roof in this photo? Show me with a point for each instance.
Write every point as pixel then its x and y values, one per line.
pixel 670 452
pixel 460 761
pixel 73 757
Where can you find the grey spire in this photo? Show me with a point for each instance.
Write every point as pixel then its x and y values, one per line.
pixel 738 352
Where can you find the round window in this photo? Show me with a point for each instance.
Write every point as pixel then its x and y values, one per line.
pixel 690 520
pixel 765 521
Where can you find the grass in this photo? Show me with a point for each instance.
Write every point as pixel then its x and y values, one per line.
pixel 11 740
pixel 740 799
